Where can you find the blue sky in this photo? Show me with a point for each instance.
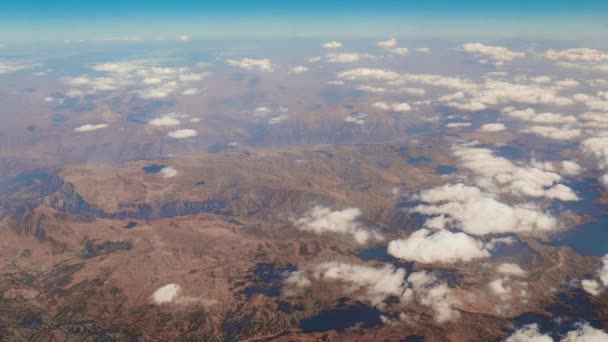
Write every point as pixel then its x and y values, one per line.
pixel 90 20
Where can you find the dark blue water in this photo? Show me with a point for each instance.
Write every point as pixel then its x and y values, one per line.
pixel 155 168
pixel 267 279
pixel 571 308
pixel 445 170
pixel 342 317
pixel 419 160
pixel 590 237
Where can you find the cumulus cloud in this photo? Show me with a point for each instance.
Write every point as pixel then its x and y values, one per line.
pixel 478 213
pixel 442 246
pixel 320 220
pixel 500 175
pixel 183 133
pixel 555 133
pixel 13 66
pixel 172 294
pixel 458 124
pixel 168 172
pixel 498 54
pixel 357 118
pixel 583 333
pixel 391 46
pixel 392 107
pixel 278 119
pixel 595 287
pixel 332 45
pixel 190 91
pixel 252 64
pixel 144 78
pixel 578 55
pixel 529 333
pixel 90 127
pixel 597 147
pixel 298 69
pixel 530 115
pixel 376 284
pixel 165 120
pixel 511 269
pixel 346 57
pixel 492 127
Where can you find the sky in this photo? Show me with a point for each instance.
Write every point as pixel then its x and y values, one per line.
pixel 32 20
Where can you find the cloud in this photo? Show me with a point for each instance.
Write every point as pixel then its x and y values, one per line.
pixel 332 45
pixel 511 269
pixel 252 64
pixel 376 283
pixel 458 124
pixel 479 213
pixel 172 294
pixel 168 172
pixel 393 107
pixel 441 246
pixel 190 91
pixel 262 111
pixel 597 147
pixel 165 120
pixel 555 133
pixel 498 288
pixel 142 77
pixel 357 118
pixel 183 134
pixel 530 115
pixel 278 119
pixel 166 294
pixel 595 287
pixel 387 44
pixel 413 91
pixel 498 54
pixel 529 333
pixel 583 333
pixel 345 57
pixel 578 55
pixel 298 69
pixel 90 127
pixel 13 66
pixel 320 220
pixel 184 38
pixel 500 175
pixel 423 50
pixel 492 127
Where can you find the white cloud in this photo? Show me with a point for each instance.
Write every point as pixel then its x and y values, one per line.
pixel 262 111
pixel 387 44
pixel 332 45
pixel 183 134
pixel 498 288
pixel 593 287
pixel 165 120
pixel 478 213
pixel 571 168
pixel 578 55
pixel 597 147
pixel 321 219
pixel 190 91
pixel 90 127
pixel 166 294
pixel 441 246
pixel 358 118
pixel 393 107
pixel 585 333
pixel 530 115
pixel 298 69
pixel 377 283
pixel 345 57
pixel 252 64
pixel 168 172
pixel 492 127
pixel 500 175
pixel 13 66
pixel 278 119
pixel 172 294
pixel 529 333
pixel 144 78
pixel 423 50
pixel 184 38
pixel 497 54
pixel 511 269
pixel 555 133
pixel 413 91
pixel 458 124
